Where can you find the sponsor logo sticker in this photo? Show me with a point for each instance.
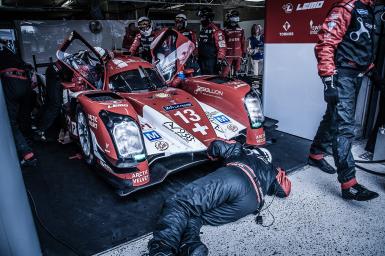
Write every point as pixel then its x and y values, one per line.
pixel 140 178
pixel 288 8
pixel 314 28
pixel 182 133
pixel 161 145
pixel 162 95
pixel 362 11
pixel 117 106
pixel 208 91
pixel 93 121
pixel 232 127
pixel 222 119
pixel 152 135
pixel 286 26
pixel 310 6
pixel 177 106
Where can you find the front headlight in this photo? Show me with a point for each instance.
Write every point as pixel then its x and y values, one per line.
pixel 127 139
pixel 125 134
pixel 254 109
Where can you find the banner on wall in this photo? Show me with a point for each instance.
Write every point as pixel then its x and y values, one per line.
pixel 295 21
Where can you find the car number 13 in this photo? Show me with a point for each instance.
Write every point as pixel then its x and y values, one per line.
pixel 188 115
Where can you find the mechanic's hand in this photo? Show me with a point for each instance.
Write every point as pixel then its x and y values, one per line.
pixel 331 92
pixel 222 62
pixel 244 60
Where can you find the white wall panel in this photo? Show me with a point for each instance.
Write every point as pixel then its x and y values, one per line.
pixel 293 92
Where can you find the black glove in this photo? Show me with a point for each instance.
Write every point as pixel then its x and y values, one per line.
pixel 331 92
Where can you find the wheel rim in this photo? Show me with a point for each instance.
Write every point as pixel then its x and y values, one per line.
pixel 84 135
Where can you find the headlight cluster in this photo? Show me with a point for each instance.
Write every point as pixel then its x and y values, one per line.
pixel 254 109
pixel 126 135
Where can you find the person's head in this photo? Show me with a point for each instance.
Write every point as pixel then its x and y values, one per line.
pixel 206 15
pixel 145 26
pixel 131 29
pixel 232 18
pixel 180 21
pixel 256 30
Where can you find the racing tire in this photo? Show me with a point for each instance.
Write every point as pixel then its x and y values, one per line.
pixel 85 138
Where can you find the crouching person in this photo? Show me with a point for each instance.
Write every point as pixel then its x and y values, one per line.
pixel 226 195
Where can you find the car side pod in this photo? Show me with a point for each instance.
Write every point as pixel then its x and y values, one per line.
pixel 255 137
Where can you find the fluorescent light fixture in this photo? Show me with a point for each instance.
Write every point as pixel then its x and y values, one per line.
pixel 255 1
pixel 175 6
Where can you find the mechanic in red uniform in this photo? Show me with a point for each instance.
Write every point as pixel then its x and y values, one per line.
pixel 129 37
pixel 223 196
pixel 14 74
pixel 235 42
pixel 211 44
pixel 181 26
pixel 345 52
pixel 141 45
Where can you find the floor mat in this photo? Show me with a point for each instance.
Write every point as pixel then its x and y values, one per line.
pixel 83 212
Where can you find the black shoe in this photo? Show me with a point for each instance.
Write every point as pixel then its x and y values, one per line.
pixel 359 193
pixel 322 165
pixel 157 248
pixel 32 162
pixel 194 249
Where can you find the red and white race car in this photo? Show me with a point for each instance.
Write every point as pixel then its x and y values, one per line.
pixel 138 128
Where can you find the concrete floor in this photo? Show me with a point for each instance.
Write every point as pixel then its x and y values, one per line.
pixel 314 220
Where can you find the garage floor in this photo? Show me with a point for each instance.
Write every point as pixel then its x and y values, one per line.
pixel 314 220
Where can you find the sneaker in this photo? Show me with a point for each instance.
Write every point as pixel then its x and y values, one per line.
pixel 29 160
pixel 158 248
pixel 359 193
pixel 322 165
pixel 194 249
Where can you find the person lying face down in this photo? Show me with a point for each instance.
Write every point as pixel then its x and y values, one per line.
pixel 223 196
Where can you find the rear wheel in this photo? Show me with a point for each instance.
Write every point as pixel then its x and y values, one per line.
pixel 85 136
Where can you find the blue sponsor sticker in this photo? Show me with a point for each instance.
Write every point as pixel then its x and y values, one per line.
pixel 177 106
pixel 222 119
pixel 152 135
pixel 362 11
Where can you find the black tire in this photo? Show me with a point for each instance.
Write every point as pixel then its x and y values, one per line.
pixel 84 134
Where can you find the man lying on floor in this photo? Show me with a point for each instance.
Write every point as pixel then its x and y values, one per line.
pixel 221 197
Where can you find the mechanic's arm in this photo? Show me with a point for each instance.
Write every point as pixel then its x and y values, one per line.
pixel 135 45
pixel 220 43
pixel 331 34
pixel 223 149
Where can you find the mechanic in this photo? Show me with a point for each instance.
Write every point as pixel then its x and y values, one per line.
pixel 235 42
pixel 181 26
pixel 221 197
pixel 141 45
pixel 211 44
pixel 255 49
pixel 345 52
pixel 16 81
pixel 129 37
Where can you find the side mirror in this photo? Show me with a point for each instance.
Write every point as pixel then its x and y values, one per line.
pixel 188 72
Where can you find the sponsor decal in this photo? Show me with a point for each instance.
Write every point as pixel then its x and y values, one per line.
pixel 162 95
pixel 200 128
pixel 314 29
pixel 288 8
pixel 93 121
pixel 232 127
pixel 208 91
pixel 182 133
pixel 119 63
pixel 145 126
pixel 334 16
pixel 310 6
pixel 362 11
pixel 152 135
pixel 140 178
pixel 105 166
pixel 237 84
pixel 286 26
pixel 118 106
pixel 355 35
pixel 331 25
pixel 177 106
pixel 161 145
pixel 106 149
pixel 222 119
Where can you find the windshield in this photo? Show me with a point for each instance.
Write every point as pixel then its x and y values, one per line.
pixel 141 79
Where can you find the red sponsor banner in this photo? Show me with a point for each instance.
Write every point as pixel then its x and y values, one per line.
pixel 295 21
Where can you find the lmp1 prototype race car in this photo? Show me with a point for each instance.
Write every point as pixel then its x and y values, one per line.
pixel 135 126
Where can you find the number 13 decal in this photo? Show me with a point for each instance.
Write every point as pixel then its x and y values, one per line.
pixel 188 115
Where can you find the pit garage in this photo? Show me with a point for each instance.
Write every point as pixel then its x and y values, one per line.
pixel 123 99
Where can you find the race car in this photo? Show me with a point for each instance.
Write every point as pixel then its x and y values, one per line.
pixel 134 126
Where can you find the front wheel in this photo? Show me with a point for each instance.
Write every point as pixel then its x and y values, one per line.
pixel 84 136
